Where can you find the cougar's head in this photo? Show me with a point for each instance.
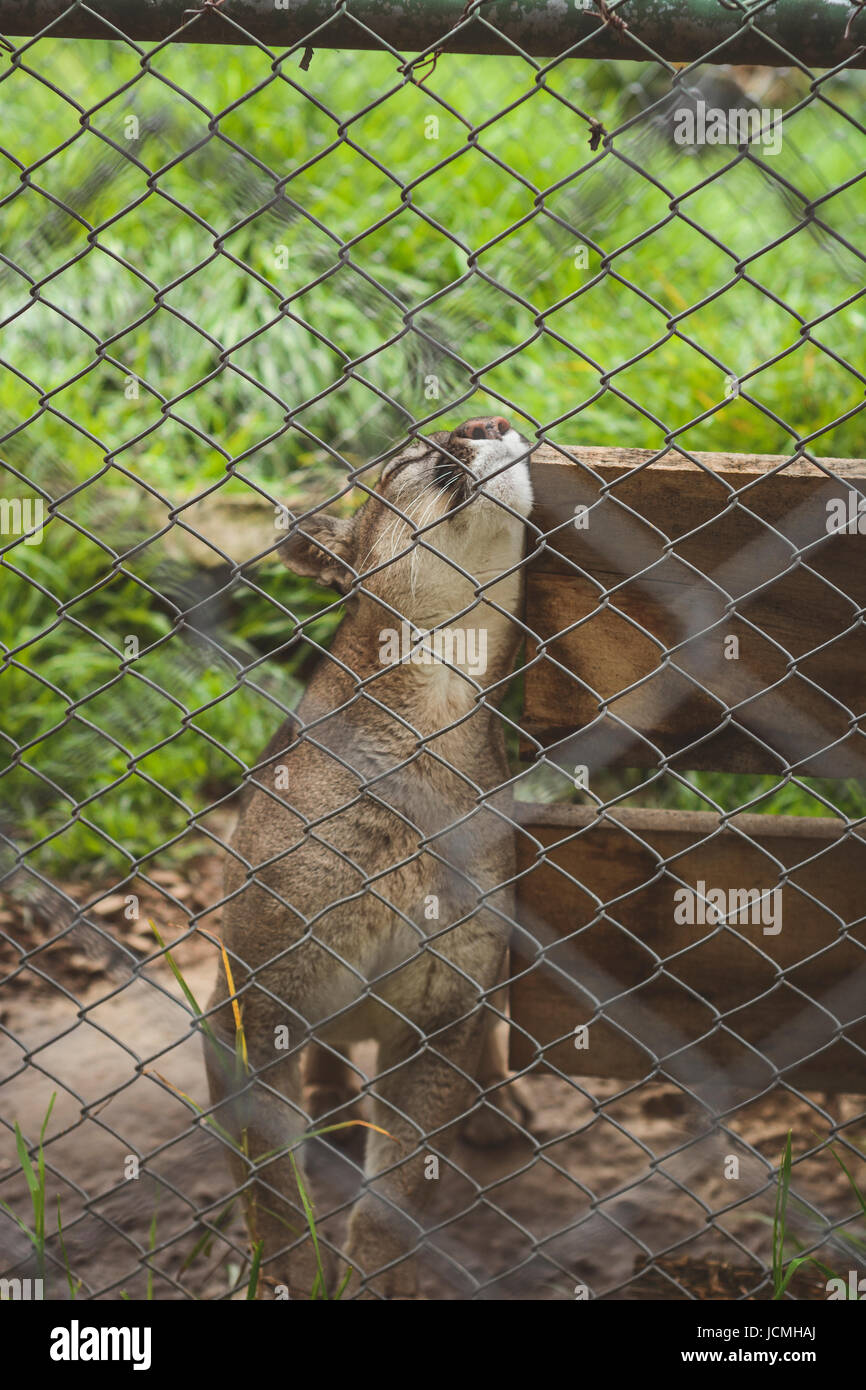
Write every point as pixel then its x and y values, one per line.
pixel 446 517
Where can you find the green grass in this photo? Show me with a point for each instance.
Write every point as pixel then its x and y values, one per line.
pixel 34 1176
pixel 784 1269
pixel 272 273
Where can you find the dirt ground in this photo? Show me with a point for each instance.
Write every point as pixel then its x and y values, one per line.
pixel 622 1192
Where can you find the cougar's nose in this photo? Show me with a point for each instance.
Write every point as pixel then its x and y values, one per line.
pixel 486 427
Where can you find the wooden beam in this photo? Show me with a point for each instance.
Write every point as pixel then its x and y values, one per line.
pixel 635 601
pixel 718 1005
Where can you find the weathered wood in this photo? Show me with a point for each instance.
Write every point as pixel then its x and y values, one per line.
pixel 720 1006
pixel 634 612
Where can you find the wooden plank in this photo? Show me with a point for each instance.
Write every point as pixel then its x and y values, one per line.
pixel 723 1004
pixel 634 610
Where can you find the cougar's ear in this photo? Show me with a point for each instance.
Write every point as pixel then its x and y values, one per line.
pixel 322 546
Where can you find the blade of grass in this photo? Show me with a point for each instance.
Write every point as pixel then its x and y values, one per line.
pixel 176 971
pixel 35 1179
pixel 240 1036
pixel 187 992
pixel 344 1124
pixel 855 1189
pixel 40 1160
pixel 791 1270
pixel 18 1222
pixel 314 1235
pixel 208 1119
pixel 202 1245
pixel 24 1160
pixel 73 1287
pixel 254 1269
pixel 782 1273
pixel 780 1283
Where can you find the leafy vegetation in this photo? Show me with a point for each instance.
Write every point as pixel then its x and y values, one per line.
pixel 223 275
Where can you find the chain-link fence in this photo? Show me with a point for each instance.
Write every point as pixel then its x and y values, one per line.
pixel 434 571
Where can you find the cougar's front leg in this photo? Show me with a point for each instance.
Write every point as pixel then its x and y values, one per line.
pixel 422 1093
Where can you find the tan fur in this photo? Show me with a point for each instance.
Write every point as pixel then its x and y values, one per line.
pixel 329 877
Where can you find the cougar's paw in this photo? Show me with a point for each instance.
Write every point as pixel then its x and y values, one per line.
pixel 379 1250
pixel 493 1123
pixel 334 1105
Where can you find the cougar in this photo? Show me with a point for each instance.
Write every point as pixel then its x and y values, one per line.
pixel 368 886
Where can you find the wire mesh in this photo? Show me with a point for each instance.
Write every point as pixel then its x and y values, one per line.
pixel 234 288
